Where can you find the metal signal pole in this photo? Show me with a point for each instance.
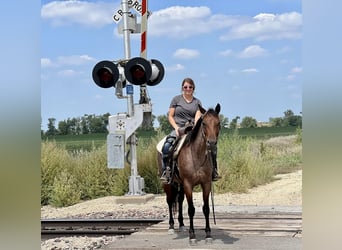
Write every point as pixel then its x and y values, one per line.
pixel 134 179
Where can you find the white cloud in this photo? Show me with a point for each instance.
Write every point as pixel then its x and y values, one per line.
pixel 290 77
pixel 266 26
pixel 186 54
pixel 79 12
pixel 182 22
pixel 253 51
pixel 74 60
pixel 67 72
pixel 66 60
pixel 179 21
pixel 46 62
pixel 176 67
pixel 251 70
pixel 296 70
pixel 227 52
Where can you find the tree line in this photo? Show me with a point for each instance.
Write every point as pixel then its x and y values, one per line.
pixel 89 124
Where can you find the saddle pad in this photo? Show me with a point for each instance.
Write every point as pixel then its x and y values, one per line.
pixel 179 145
pixel 160 144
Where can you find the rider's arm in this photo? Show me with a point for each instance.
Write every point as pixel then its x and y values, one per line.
pixel 172 119
pixel 197 115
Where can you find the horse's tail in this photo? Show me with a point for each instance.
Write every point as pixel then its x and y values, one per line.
pixel 176 189
pixel 175 204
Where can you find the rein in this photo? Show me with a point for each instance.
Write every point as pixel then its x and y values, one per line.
pixel 208 156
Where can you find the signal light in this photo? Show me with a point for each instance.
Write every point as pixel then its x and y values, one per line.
pixel 106 74
pixel 139 71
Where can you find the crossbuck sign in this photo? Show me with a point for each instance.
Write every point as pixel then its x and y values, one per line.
pixel 136 5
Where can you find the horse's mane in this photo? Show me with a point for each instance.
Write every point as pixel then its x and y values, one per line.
pixel 193 133
pixel 191 136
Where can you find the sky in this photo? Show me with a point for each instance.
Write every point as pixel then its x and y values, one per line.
pixel 245 55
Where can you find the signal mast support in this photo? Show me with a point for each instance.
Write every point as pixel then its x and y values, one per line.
pixel 124 74
pixel 135 181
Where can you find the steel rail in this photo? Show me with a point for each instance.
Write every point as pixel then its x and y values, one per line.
pixel 63 227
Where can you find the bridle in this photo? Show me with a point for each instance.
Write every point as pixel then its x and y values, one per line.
pixel 211 145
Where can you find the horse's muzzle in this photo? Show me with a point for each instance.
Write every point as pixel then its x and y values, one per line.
pixel 212 145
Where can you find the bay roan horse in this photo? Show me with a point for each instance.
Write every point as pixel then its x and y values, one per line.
pixel 194 167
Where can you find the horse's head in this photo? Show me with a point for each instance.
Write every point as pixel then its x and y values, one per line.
pixel 211 125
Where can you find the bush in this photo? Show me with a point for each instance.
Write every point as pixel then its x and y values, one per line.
pixel 54 160
pixel 148 165
pixel 240 164
pixel 243 162
pixel 65 190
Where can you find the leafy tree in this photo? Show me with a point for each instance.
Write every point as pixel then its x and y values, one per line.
pixel 276 122
pixel 289 119
pixel 223 121
pixel 248 122
pixel 164 124
pixel 51 127
pixel 63 127
pixel 288 113
pixel 234 122
pixel 84 124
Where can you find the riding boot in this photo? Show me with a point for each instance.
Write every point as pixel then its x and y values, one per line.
pixel 166 168
pixel 215 176
pixel 166 175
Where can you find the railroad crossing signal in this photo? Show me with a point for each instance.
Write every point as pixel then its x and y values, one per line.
pixel 106 74
pixel 137 71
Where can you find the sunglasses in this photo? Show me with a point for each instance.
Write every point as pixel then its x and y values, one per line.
pixel 188 87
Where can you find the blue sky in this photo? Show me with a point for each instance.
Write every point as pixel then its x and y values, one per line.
pixel 245 55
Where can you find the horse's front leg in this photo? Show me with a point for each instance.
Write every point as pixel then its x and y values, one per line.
pixel 191 213
pixel 206 212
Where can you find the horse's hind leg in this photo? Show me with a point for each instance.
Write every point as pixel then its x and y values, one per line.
pixel 180 209
pixel 171 221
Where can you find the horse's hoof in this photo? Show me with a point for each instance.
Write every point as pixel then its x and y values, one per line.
pixel 208 240
pixel 171 231
pixel 193 242
pixel 182 229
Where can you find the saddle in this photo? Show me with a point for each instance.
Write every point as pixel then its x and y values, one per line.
pixel 175 148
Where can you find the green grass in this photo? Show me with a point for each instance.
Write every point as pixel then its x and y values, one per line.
pixel 244 162
pixel 90 141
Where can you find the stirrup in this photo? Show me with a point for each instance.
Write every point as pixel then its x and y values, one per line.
pixel 216 176
pixel 166 176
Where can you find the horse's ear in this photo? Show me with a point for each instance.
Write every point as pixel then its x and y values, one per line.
pixel 218 108
pixel 201 109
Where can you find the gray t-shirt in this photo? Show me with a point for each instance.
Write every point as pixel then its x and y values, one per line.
pixel 184 111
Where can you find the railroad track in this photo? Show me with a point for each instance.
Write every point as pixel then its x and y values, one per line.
pixel 52 228
pixel 235 224
pixel 262 224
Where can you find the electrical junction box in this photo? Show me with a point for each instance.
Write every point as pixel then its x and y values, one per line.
pixel 116 150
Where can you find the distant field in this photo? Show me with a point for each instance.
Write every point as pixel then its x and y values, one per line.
pixel 89 141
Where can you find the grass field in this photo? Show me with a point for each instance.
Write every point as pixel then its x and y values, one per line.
pixel 90 141
pixel 74 168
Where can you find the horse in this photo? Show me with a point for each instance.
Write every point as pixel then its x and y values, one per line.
pixel 194 166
